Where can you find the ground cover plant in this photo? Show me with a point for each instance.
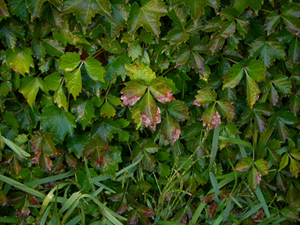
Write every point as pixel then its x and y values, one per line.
pixel 149 112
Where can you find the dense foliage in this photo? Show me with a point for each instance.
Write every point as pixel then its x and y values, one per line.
pixel 144 112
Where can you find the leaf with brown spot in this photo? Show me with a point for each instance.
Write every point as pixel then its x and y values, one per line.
pixel 254 177
pixel 3 198
pixel 211 117
pixel 25 214
pixel 70 160
pixel 205 96
pixel 132 217
pixel 146 211
pixel 139 71
pixel 133 91
pixel 170 130
pixel 161 91
pixel 227 108
pixel 244 165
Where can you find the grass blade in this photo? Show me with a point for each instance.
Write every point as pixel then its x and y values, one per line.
pixel 75 220
pixel 214 183
pixel 49 179
pixel 251 212
pixel 8 220
pixel 262 200
pixel 45 215
pixel 129 167
pixel 19 151
pixel 214 147
pixel 236 141
pixel 198 213
pixel 21 186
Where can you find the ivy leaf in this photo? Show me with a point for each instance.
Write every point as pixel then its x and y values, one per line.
pixel 20 60
pixel 242 24
pixel 135 50
pixel 234 76
pixel 18 8
pixel 244 165
pixel 5 87
pixel 294 167
pixel 257 70
pixel 83 111
pixel 252 91
pixel 145 149
pixel 120 12
pixel 147 15
pixel 211 117
pixel 295 104
pixel 58 122
pixel 54 47
pixel 268 51
pixel 140 71
pixel 178 110
pixel 294 51
pixel 241 5
pixel 197 6
pixel 94 69
pixel 170 130
pixel 34 7
pixel 10 31
pixel 272 21
pixel 290 15
pixel 160 91
pixel 105 129
pixel 227 109
pixel 86 10
pixel 38 49
pixel 133 91
pixel 73 81
pixel 205 96
pixel 53 81
pixel 254 177
pixel 76 143
pixel 3 9
pixel 107 110
pixel 60 98
pixel 149 112
pixel 262 166
pixel 30 86
pixel 69 62
pixel 282 83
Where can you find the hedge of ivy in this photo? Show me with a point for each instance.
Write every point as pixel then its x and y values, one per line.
pixel 149 112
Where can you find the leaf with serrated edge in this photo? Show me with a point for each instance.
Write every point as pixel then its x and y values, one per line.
pixel 211 117
pixel 69 61
pixel 83 110
pixel 133 91
pixel 227 108
pixel 73 81
pixel 252 91
pixel 234 76
pixel 178 110
pixel 244 165
pixel 170 129
pixel 262 166
pixel 107 110
pixel 161 91
pixel 94 69
pixel 140 71
pixel 205 96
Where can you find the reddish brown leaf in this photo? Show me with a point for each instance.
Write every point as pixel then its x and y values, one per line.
pixel 167 98
pixel 133 91
pixel 146 211
pixel 22 214
pixel 133 217
pixel 123 206
pixel 71 160
pixel 212 209
pixel 3 198
pixel 149 122
pixel 259 215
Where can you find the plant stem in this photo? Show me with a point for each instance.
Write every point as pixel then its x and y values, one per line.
pixel 231 60
pixel 167 71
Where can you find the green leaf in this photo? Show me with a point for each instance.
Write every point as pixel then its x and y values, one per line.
pixel 284 161
pixel 54 47
pixel 86 10
pixel 58 122
pixel 135 50
pixel 140 71
pixel 38 49
pixel 242 24
pixel 227 109
pixel 268 51
pixel 257 70
pixel 254 178
pixel 205 96
pixel 19 151
pixel 73 81
pixel 69 61
pixel 241 5
pixel 294 51
pixel 9 32
pixel 30 86
pixel 178 110
pixel 5 87
pixel 18 8
pixel 272 21
pixel 107 110
pixel 34 7
pixel 262 166
pixel 294 167
pixel 53 81
pixel 83 111
pixel 20 60
pixel 94 69
pixel 234 76
pixel 290 16
pixel 76 143
pixel 105 129
pixel 211 117
pixel 147 15
pixel 282 83
pixel 170 130
pixel 295 104
pixel 252 91
pixel 244 165
pixel 60 98
pixel 197 6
